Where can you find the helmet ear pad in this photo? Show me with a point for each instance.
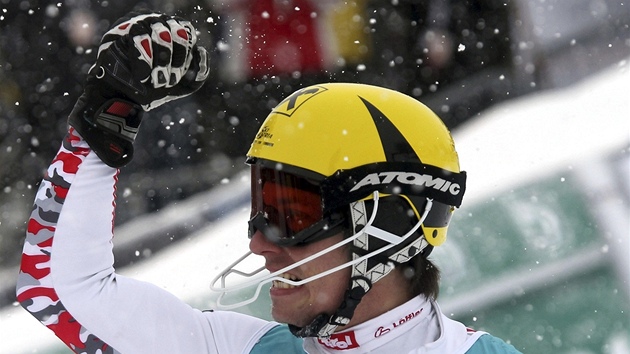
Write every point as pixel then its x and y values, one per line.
pixel 396 214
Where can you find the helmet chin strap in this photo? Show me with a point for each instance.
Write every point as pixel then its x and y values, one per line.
pixel 324 325
pixel 361 280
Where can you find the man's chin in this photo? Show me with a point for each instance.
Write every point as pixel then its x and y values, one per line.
pixel 289 319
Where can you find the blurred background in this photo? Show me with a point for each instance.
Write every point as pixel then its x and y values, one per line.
pixel 535 92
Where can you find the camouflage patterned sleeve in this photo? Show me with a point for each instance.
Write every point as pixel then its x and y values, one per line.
pixel 35 290
pixel 68 282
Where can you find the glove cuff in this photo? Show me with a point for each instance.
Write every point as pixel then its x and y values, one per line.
pixel 109 126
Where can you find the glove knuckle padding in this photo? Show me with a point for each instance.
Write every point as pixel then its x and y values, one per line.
pixel 162 44
pixel 141 56
pixel 184 38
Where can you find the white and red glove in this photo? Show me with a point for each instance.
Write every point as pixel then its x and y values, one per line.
pixel 144 61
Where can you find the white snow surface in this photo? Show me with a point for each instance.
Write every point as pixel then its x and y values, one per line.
pixel 545 132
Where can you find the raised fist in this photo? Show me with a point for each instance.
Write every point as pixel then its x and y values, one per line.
pixel 144 61
pixel 151 59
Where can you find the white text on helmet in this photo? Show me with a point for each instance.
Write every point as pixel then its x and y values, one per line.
pixel 422 180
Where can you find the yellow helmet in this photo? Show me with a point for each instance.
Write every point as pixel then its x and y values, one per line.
pixel 353 139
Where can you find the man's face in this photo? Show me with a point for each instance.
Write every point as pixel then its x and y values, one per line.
pixel 300 305
pixel 290 205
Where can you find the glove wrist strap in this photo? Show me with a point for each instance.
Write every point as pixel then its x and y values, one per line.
pixel 109 126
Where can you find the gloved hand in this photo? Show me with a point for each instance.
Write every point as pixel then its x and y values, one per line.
pixel 145 60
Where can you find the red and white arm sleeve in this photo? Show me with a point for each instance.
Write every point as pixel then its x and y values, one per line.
pixel 36 289
pixel 68 282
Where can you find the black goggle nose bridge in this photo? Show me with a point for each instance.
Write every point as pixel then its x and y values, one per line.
pixel 260 222
pixel 254 224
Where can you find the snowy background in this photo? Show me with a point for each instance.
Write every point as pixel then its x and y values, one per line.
pixel 537 255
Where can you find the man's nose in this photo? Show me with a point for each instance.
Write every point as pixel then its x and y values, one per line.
pixel 260 245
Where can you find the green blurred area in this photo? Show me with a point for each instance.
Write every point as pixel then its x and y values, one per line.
pixel 586 314
pixel 538 269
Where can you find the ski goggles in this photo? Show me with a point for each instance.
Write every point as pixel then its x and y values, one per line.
pixel 287 209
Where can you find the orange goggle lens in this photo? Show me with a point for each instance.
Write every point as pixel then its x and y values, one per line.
pixel 283 205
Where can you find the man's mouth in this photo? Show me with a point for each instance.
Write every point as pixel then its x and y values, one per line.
pixel 282 285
